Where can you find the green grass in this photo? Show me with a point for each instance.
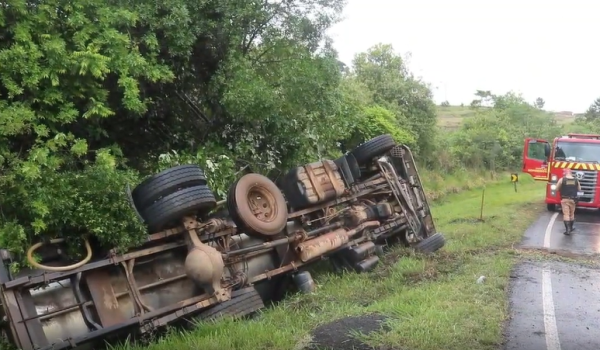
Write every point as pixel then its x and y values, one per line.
pixel 451 117
pixel 438 185
pixel 433 302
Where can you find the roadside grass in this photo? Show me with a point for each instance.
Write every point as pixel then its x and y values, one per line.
pixel 438 185
pixel 432 302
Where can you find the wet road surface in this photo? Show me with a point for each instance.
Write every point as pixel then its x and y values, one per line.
pixel 556 305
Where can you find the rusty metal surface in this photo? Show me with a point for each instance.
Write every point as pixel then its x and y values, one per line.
pixel 15 318
pixel 318 246
pixel 29 281
pixel 320 185
pixel 104 298
pixel 361 191
pixel 403 153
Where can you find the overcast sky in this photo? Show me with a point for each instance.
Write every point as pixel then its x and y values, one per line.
pixel 548 49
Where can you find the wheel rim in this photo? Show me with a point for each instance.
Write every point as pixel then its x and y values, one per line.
pixel 262 204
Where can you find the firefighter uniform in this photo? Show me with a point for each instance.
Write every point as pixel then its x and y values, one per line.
pixel 568 186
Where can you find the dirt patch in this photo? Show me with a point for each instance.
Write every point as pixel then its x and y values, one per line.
pixel 589 260
pixel 342 333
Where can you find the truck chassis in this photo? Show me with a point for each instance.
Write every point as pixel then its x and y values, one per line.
pixel 202 262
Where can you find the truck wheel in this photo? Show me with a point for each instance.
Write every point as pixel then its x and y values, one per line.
pixel 243 302
pixel 431 244
pixel 376 146
pixel 256 204
pixel 551 207
pixel 168 209
pixel 165 183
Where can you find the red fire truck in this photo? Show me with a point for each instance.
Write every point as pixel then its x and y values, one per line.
pixel 579 152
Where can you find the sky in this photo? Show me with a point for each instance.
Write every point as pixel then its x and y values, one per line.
pixel 546 49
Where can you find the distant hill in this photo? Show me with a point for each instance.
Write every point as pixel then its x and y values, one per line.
pixel 451 117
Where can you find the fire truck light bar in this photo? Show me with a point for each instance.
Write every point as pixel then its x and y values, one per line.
pixel 584 136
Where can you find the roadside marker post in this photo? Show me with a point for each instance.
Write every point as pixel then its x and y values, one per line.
pixel 514 178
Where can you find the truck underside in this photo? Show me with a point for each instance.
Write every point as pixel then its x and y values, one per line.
pixel 205 258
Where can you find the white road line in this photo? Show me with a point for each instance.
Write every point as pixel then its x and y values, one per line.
pixel 551 330
pixel 549 231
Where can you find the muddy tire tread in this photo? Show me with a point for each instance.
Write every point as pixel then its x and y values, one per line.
pixel 376 146
pixel 242 303
pixel 431 244
pixel 165 183
pixel 177 205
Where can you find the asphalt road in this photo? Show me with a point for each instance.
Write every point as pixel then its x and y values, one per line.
pixel 556 305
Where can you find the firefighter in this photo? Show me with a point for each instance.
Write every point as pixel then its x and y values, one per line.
pixel 568 186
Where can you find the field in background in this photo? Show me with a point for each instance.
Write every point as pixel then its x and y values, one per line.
pixel 451 117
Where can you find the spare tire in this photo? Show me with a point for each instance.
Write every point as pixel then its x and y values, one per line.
pixel 165 183
pixel 431 244
pixel 257 205
pixel 375 147
pixel 167 210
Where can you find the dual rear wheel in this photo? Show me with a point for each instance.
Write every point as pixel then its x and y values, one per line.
pixel 254 201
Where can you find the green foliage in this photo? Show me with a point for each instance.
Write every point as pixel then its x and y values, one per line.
pixel 493 138
pixel 376 120
pixel 72 204
pixel 219 170
pixel 395 88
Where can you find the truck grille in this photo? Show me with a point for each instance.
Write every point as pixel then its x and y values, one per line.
pixel 588 185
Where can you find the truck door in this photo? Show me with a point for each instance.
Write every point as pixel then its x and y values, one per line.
pixel 536 154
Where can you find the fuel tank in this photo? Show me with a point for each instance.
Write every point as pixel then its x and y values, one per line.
pixel 313 183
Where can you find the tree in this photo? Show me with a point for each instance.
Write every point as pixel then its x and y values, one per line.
pixel 593 111
pixel 484 98
pixel 539 103
pixel 398 90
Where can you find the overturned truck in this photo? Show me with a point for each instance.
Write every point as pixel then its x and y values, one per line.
pixel 205 258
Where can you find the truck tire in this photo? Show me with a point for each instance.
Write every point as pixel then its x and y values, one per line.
pixel 256 204
pixel 431 244
pixel 551 207
pixel 376 146
pixel 165 183
pixel 242 303
pixel 168 209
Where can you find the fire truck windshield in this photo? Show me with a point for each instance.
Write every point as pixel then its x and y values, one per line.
pixel 577 151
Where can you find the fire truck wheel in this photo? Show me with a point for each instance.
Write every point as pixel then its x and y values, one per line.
pixel 551 207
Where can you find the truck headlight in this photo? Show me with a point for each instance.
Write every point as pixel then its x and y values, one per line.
pixel 553 187
pixel 553 178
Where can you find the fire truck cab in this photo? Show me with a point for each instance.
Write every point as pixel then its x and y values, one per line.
pixel 546 161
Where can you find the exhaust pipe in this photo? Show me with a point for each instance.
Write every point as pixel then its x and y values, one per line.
pixel 315 247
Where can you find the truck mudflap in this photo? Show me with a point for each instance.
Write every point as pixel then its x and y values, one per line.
pixel 230 263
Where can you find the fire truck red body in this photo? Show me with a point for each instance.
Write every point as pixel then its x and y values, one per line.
pixel 546 161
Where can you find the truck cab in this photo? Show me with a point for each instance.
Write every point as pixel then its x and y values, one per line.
pixel 546 161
